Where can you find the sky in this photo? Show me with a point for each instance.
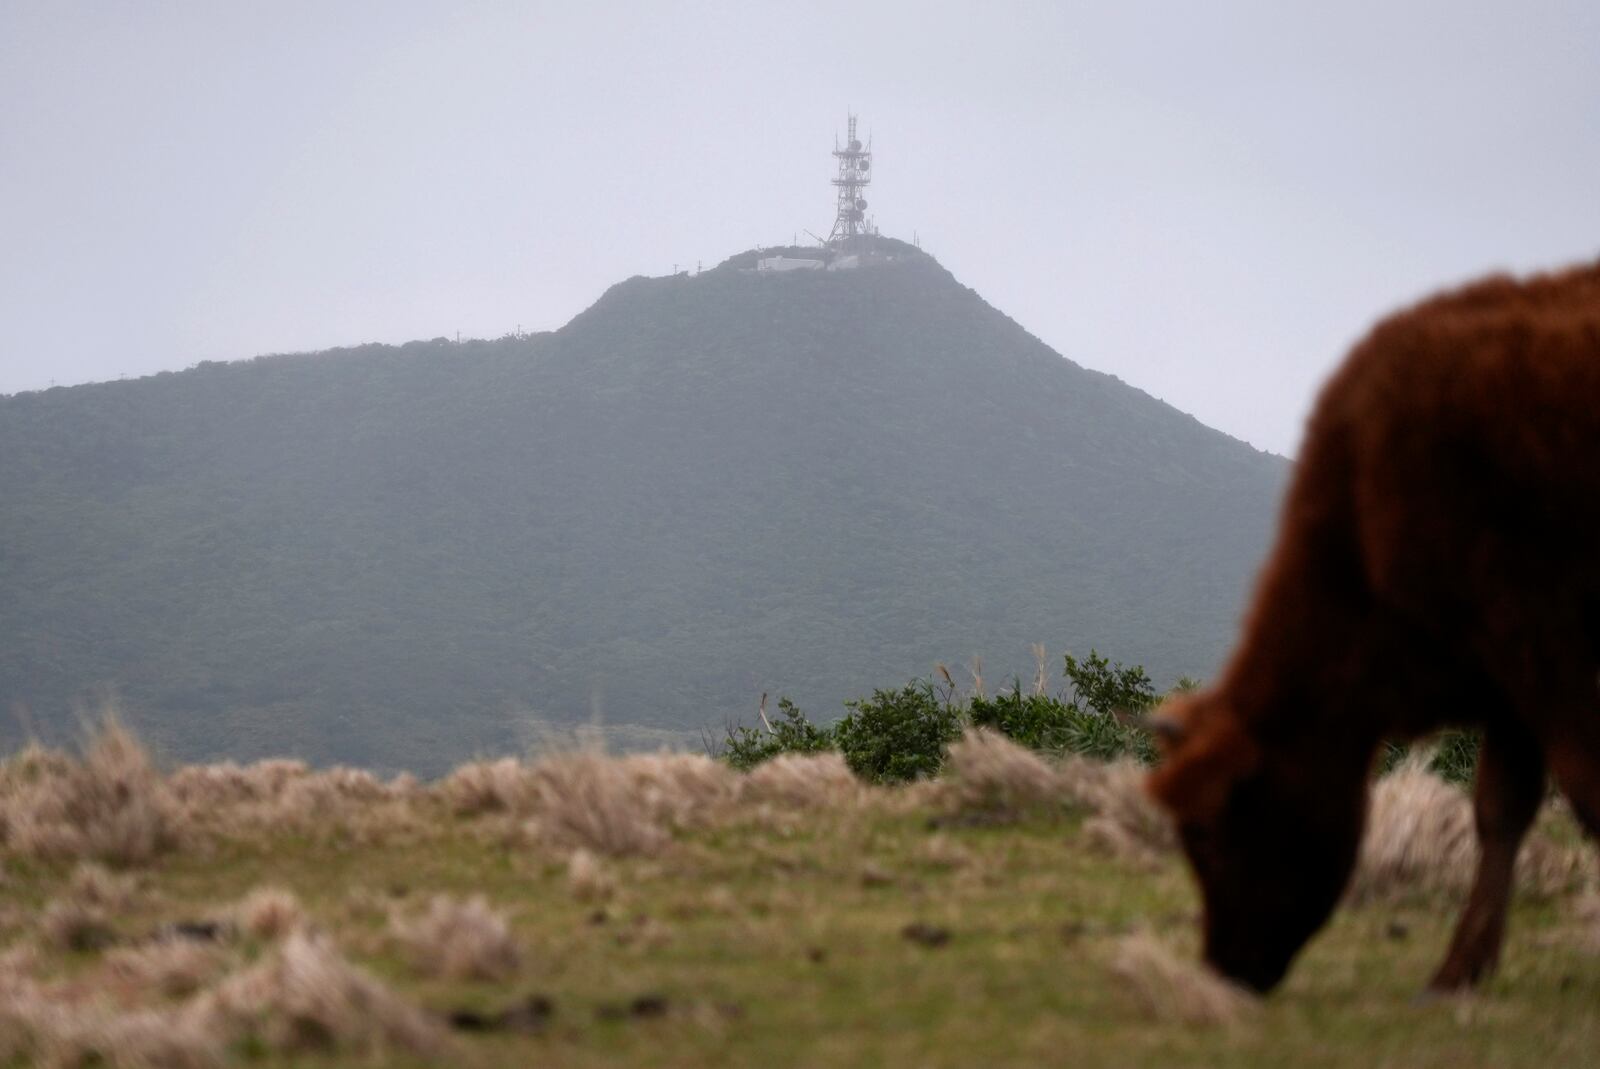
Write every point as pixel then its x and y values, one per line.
pixel 1210 201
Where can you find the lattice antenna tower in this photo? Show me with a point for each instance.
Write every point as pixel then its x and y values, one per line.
pixel 855 174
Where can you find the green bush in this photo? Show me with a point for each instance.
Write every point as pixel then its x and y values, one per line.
pixel 1038 721
pixel 792 732
pixel 1107 688
pixel 1043 722
pixel 1097 721
pixel 897 735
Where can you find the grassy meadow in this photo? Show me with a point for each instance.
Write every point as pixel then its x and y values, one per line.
pixel 665 910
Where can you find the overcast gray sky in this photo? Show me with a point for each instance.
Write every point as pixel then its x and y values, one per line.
pixel 1208 200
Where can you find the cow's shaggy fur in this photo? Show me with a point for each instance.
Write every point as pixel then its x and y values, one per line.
pixel 1438 563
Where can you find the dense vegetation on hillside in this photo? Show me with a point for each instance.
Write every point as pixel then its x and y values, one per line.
pixel 700 489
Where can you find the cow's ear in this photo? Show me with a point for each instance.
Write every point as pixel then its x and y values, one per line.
pixel 1194 782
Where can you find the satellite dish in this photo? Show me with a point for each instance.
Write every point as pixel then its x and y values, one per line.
pixel 861 202
pixel 855 146
pixel 865 165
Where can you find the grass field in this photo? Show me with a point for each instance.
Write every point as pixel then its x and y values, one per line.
pixel 664 911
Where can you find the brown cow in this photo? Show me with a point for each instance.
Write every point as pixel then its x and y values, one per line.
pixel 1437 563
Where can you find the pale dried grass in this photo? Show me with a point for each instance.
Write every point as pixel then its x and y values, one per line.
pixel 172 967
pixel 306 997
pixel 621 806
pixel 588 878
pixel 111 805
pixel 988 772
pixel 1421 837
pixel 486 787
pixel 70 925
pixel 141 1039
pixel 301 997
pixel 459 940
pixel 95 885
pixel 341 784
pixel 226 784
pixel 802 781
pixel 1126 823
pixel 681 790
pixel 268 797
pixel 592 801
pixel 1170 988
pixel 52 1027
pixel 269 913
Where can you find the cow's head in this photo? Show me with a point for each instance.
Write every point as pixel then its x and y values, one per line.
pixel 1270 840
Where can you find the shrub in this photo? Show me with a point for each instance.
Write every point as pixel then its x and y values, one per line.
pixel 896 736
pixel 1108 688
pixel 1095 721
pixel 1037 721
pixel 792 732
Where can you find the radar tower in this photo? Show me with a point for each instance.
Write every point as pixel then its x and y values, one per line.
pixel 855 174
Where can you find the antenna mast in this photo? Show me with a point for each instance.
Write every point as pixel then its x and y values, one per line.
pixel 855 173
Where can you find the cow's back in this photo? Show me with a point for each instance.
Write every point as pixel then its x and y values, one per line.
pixel 1467 433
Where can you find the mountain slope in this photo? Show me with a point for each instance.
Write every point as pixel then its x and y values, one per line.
pixel 700 489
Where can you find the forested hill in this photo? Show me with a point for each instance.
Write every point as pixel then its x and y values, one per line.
pixel 700 489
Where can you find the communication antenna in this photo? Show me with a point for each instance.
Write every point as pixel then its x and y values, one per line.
pixel 855 174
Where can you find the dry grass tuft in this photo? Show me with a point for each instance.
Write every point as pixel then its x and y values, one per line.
pixel 74 926
pixel 201 788
pixel 335 789
pixel 172 967
pixel 1421 836
pixel 989 772
pixel 306 997
pixel 81 918
pixel 680 790
pixel 459 940
pixel 589 800
pixel 111 805
pixel 621 806
pixel 802 781
pixel 145 1039
pixel 230 800
pixel 95 885
pixel 1127 823
pixel 40 1026
pixel 303 997
pixel 588 878
pixel 486 787
pixel 1172 989
pixel 269 913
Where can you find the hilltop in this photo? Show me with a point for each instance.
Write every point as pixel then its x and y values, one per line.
pixel 700 489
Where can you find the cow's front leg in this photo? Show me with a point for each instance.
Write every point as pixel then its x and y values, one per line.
pixel 1510 786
